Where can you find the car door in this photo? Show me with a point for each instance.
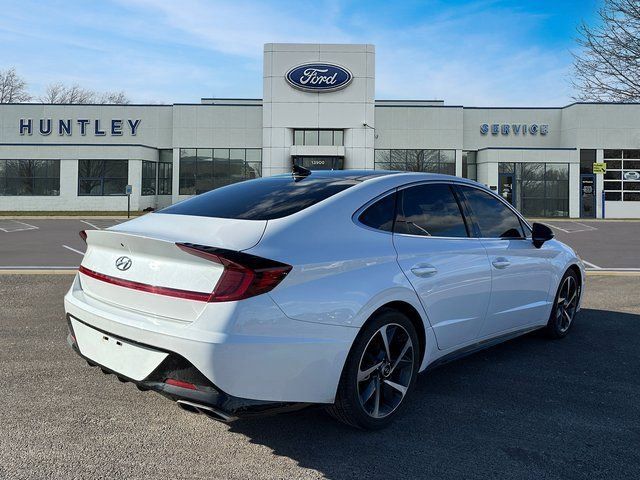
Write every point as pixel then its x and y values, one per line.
pixel 521 273
pixel 448 268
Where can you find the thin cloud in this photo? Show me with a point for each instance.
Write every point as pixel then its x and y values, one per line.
pixel 487 52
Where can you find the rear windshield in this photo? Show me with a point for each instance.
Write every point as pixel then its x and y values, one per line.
pixel 261 199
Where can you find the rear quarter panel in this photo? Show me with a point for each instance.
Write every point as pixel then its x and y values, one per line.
pixel 342 272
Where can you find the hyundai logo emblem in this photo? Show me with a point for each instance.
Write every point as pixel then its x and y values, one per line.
pixel 123 263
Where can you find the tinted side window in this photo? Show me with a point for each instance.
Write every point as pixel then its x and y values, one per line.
pixel 494 218
pixel 380 214
pixel 261 199
pixel 430 210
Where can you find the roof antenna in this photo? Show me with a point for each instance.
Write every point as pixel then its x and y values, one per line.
pixel 300 171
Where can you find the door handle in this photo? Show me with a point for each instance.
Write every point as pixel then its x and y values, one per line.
pixel 424 270
pixel 501 263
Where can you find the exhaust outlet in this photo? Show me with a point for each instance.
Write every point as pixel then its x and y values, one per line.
pixel 210 412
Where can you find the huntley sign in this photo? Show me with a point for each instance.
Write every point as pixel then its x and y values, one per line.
pixel 67 127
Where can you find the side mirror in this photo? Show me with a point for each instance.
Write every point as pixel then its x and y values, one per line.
pixel 540 234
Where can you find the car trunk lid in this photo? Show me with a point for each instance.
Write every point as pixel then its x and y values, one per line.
pixel 138 266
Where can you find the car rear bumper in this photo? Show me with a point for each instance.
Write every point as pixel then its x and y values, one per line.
pixel 252 356
pixel 206 398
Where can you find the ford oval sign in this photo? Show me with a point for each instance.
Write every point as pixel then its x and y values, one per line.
pixel 319 77
pixel 632 175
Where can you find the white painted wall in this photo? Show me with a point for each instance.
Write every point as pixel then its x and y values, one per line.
pixel 286 108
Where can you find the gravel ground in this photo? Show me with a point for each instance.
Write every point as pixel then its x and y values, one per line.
pixel 530 408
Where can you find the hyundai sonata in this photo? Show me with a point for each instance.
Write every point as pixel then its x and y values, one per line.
pixel 330 288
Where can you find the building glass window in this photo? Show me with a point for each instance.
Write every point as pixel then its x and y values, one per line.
pixel 102 177
pixel 622 180
pixel 253 167
pixel 541 189
pixel 587 159
pixel 469 164
pixel 325 137
pixel 165 172
pixel 149 170
pixel 311 137
pixel 316 137
pixel 431 161
pixel 30 177
pixel 204 169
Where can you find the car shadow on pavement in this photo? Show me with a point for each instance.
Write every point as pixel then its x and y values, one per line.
pixel 528 408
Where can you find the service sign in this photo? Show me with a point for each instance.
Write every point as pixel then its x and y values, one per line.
pixel 514 129
pixel 319 77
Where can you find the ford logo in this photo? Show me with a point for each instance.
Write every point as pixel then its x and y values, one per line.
pixel 319 77
pixel 123 263
pixel 632 175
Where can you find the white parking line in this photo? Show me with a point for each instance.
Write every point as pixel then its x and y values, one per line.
pixel 556 227
pixel 616 269
pixel 91 224
pixel 587 228
pixel 11 230
pixel 73 249
pixel 591 265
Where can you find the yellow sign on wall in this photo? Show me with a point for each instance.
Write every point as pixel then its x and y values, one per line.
pixel 599 167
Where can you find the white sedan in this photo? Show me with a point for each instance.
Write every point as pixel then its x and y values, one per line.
pixel 331 288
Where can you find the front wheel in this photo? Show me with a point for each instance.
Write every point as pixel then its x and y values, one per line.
pixel 379 373
pixel 565 306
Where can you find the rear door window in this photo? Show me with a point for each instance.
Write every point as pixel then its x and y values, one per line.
pixel 430 210
pixel 380 214
pixel 493 217
pixel 261 199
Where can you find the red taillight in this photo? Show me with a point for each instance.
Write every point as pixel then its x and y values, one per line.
pixel 244 275
pixel 180 383
pixel 83 235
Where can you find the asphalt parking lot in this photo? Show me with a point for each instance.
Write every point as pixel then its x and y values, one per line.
pixel 34 244
pixel 45 243
pixel 530 408
pixel 603 245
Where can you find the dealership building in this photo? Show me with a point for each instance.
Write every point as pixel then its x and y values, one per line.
pixel 318 110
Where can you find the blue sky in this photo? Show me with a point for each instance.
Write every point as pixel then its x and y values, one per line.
pixel 483 52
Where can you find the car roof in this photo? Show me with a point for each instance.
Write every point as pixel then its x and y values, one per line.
pixel 363 175
pixel 358 175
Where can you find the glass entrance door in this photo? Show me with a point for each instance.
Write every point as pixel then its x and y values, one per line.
pixel 506 187
pixel 587 196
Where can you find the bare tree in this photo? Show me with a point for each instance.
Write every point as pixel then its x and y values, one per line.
pixel 117 98
pixel 75 94
pixel 60 93
pixel 13 89
pixel 608 66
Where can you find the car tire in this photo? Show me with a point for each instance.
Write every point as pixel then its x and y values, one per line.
pixel 374 387
pixel 565 306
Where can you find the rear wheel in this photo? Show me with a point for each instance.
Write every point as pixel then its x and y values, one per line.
pixel 565 306
pixel 379 373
